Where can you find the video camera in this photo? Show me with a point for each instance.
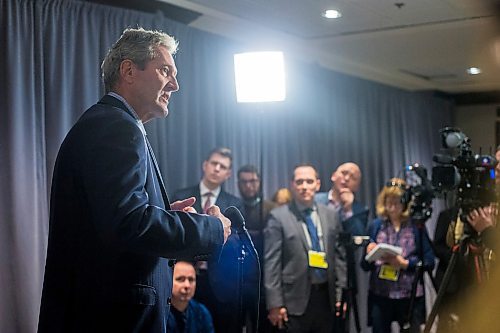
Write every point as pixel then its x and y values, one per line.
pixel 471 175
pixel 419 192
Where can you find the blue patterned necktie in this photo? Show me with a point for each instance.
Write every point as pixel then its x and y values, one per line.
pixel 313 232
pixel 319 273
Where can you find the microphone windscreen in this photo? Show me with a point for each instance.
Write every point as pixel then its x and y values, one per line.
pixel 237 220
pixel 454 139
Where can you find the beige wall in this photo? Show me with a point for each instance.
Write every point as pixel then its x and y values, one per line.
pixel 479 123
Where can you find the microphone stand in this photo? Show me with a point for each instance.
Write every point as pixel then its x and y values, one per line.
pixel 245 247
pixel 239 289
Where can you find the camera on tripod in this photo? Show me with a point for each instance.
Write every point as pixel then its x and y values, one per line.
pixel 419 193
pixel 471 175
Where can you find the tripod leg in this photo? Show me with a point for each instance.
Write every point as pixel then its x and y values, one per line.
pixel 442 290
pixel 419 274
pixel 355 313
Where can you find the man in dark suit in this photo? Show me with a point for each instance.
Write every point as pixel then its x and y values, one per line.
pixel 354 218
pixel 112 228
pixel 256 211
pixel 217 168
pixel 304 267
pixel 217 281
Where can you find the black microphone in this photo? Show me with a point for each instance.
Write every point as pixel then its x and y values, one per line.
pixel 237 220
pixel 238 223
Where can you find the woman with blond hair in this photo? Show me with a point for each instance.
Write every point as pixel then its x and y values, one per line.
pixel 392 275
pixel 282 196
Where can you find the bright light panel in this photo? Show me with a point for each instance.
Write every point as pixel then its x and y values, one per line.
pixel 332 14
pixel 473 70
pixel 259 77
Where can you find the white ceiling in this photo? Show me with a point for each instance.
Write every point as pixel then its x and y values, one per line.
pixel 424 44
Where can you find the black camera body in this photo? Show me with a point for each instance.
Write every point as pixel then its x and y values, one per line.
pixel 419 195
pixel 471 175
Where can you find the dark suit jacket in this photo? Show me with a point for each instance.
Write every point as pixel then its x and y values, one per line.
pixel 355 225
pixel 111 230
pixel 286 270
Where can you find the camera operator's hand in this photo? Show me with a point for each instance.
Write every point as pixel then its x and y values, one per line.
pixel 481 218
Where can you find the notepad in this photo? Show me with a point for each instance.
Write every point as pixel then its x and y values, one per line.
pixel 382 249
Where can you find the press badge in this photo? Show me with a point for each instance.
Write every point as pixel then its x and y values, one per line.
pixel 387 272
pixel 317 259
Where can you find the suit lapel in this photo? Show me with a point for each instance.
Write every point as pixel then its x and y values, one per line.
pixel 158 175
pixel 325 226
pixel 110 100
pixel 298 224
pixel 221 200
pixel 196 193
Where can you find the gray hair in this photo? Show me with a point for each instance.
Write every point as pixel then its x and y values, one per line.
pixel 138 45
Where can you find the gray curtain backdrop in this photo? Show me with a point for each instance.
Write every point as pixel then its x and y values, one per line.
pixel 50 73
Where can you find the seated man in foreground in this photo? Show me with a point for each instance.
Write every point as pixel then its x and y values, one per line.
pixel 186 314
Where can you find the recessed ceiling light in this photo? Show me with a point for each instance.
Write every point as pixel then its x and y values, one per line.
pixel 473 70
pixel 332 14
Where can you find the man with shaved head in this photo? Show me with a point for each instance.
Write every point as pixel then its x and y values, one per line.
pixel 354 218
pixel 341 197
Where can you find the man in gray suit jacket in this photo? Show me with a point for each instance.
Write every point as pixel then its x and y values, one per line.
pixel 304 267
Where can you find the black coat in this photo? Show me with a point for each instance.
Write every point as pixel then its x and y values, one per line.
pixel 111 230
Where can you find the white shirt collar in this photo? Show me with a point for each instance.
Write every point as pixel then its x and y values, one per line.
pixel 204 190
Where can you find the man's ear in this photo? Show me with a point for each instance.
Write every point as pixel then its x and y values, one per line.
pixel 127 70
pixel 334 177
pixel 318 184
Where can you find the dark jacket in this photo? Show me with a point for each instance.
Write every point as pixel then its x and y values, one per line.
pixel 355 225
pixel 111 231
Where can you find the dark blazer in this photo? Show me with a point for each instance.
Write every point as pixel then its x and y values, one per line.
pixel 286 269
pixel 111 230
pixel 355 225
